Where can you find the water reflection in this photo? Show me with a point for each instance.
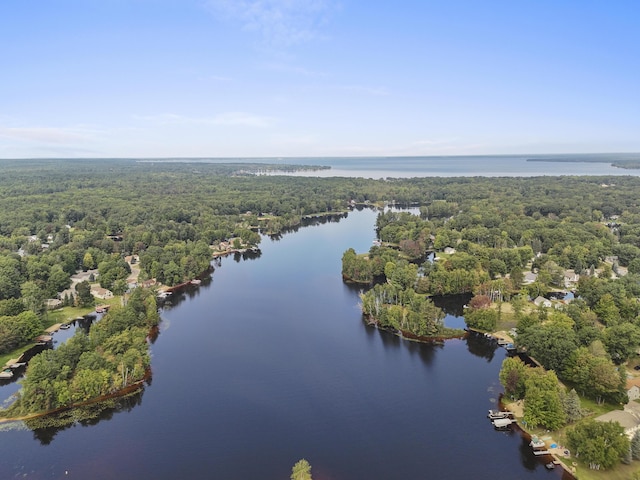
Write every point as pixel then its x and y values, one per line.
pixel 46 428
pixel 452 304
pixel 481 346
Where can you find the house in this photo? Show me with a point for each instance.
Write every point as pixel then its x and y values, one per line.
pixel 529 278
pixel 625 418
pixel 449 250
pixel 102 293
pixel 541 301
pixel 570 278
pixel 611 259
pixel 53 303
pixel 633 388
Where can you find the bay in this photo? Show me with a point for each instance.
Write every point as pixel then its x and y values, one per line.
pixel 449 166
pixel 268 362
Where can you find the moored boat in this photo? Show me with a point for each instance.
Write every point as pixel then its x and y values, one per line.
pixel 495 414
pixel 502 422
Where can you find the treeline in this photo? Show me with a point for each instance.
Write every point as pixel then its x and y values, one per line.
pixel 114 355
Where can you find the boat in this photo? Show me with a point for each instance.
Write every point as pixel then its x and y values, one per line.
pixel 13 366
pixel 6 374
pixel 536 442
pixel 65 326
pixel 495 414
pixel 550 466
pixel 196 281
pixel 502 422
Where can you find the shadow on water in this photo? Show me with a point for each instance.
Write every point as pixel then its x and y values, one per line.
pixel 427 351
pixel 308 222
pixel 452 304
pixel 248 255
pixel 46 428
pixel 481 346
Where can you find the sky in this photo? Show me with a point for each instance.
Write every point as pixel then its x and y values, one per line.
pixel 286 78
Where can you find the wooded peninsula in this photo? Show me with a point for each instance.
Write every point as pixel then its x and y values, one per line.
pixel 506 241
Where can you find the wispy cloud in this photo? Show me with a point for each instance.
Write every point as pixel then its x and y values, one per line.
pixel 279 22
pixel 53 135
pixel 242 119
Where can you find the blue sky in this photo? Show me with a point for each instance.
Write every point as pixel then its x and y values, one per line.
pixel 262 78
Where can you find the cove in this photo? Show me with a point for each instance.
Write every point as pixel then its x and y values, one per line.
pixel 269 361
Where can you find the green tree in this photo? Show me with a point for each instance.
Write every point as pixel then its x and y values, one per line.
pixel 85 299
pixel 635 446
pixel 542 403
pixel 88 262
pixel 621 341
pixel 301 470
pixel 513 376
pixel 33 297
pixel 484 319
pixel 572 408
pixel 598 444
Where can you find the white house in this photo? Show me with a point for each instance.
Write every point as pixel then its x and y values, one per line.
pixel 633 388
pixel 102 293
pixel 542 301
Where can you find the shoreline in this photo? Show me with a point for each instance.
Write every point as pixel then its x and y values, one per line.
pixel 129 389
pixel 524 433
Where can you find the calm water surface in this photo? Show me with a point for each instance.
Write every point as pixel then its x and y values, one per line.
pixel 270 362
pixel 450 166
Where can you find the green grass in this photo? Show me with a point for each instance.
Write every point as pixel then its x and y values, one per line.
pixel 67 314
pixel 591 405
pixel 619 472
pixel 62 315
pixel 14 354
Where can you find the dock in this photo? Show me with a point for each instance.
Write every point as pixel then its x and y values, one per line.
pixel 541 452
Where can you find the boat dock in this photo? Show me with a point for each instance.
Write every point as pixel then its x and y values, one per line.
pixel 541 452
pixel 503 422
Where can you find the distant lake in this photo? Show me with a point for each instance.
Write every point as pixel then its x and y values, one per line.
pixel 452 166
pixel 268 362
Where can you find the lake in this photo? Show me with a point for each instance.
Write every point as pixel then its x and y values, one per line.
pixel 269 362
pixel 449 166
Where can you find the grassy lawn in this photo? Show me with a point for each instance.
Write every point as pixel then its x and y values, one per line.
pixel 620 472
pixel 15 354
pixel 66 314
pixel 62 315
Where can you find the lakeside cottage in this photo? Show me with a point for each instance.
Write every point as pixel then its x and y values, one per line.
pixel 102 293
pixel 539 300
pixel 633 388
pixel 625 418
pixel 570 278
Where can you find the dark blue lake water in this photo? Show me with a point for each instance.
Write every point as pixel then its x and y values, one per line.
pixel 270 362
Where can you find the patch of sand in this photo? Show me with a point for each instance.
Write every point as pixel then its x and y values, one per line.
pixel 516 407
pixel 503 336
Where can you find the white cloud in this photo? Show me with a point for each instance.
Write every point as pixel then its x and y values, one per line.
pixel 280 22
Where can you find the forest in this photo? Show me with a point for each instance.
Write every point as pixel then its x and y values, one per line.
pixel 58 217
pixel 523 240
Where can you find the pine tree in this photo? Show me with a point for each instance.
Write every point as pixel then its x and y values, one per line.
pixel 301 470
pixel 635 446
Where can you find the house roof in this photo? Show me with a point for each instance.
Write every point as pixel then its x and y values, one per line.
pixel 626 419
pixel 633 382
